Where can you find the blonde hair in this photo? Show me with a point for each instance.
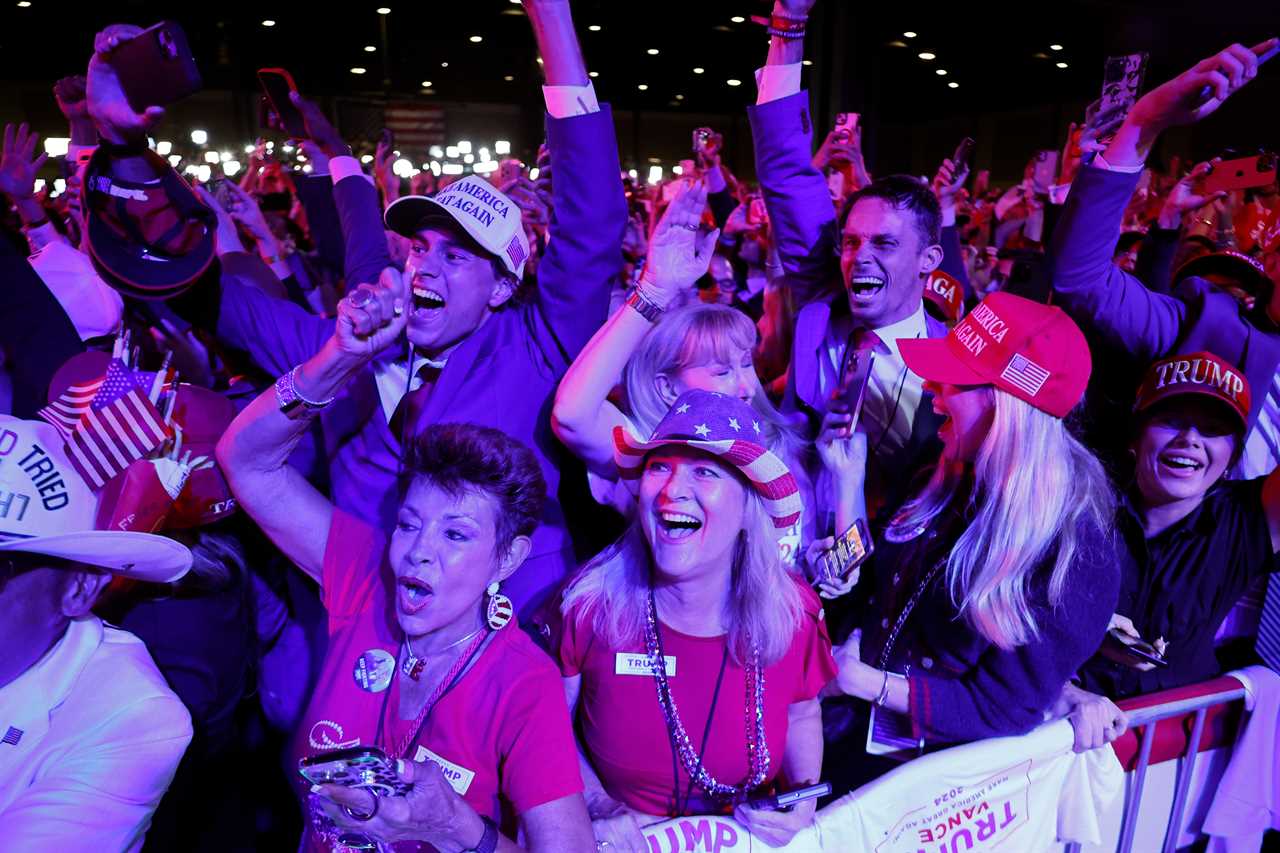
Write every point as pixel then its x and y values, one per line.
pixel 1035 486
pixel 764 605
pixel 688 336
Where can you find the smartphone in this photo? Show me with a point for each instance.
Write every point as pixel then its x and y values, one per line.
pixel 1045 170
pixel 1241 174
pixel 847 125
pixel 784 801
pixel 156 68
pixel 851 550
pixel 757 212
pixel 224 195
pixel 960 160
pixel 854 382
pixel 1139 650
pixel 277 84
pixel 358 767
pixel 1121 83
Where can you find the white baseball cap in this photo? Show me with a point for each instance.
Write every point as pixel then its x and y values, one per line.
pixel 490 217
pixel 47 508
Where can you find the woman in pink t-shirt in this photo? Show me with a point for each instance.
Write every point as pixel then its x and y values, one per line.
pixel 696 584
pixel 417 665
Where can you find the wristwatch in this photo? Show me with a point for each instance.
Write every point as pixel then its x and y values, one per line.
pixel 293 404
pixel 647 309
pixel 488 841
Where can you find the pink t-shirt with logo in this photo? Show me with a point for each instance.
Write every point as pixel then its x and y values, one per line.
pixel 625 733
pixel 502 734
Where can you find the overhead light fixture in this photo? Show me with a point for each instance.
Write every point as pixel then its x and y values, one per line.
pixel 268 23
pixel 737 19
pixel 1055 47
pixel 357 70
pixel 444 65
pixel 22 4
pixel 953 85
pixel 643 87
pixel 679 97
pixel 368 48
pixel 653 51
pixel 426 84
pixel 509 78
pixel 1061 64
pixel 383 10
pixel 897 43
pixel 733 81
pixel 593 73
pixel 1040 55
pixel 908 35
pixel 199 137
pixel 476 39
pixel 699 70
pixel 926 56
pixel 806 62
pixel 941 72
pixel 595 28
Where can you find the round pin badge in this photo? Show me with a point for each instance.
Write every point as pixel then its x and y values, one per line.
pixel 374 669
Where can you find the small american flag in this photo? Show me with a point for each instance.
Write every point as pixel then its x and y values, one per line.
pixel 120 426
pixel 64 413
pixel 1022 372
pixel 515 251
pixel 12 736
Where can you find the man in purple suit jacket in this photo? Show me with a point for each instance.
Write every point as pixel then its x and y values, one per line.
pixel 477 356
pixel 1143 325
pixel 888 242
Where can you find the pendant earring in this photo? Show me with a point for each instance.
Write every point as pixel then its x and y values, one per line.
pixel 498 611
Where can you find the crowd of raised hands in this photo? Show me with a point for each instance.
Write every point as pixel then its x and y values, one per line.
pixel 968 454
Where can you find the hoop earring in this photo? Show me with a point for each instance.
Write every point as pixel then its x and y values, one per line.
pixel 498 610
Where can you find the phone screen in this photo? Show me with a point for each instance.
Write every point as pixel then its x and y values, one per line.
pixel 277 84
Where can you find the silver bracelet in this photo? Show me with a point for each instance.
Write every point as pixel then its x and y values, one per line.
pixel 884 691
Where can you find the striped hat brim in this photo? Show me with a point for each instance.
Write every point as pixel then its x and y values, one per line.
pixel 768 474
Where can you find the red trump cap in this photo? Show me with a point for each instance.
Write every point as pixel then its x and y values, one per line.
pixel 1200 373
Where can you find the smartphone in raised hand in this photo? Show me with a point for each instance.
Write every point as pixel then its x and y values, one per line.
pixel 155 68
pixel 1241 173
pixel 847 126
pixel 277 84
pixel 960 159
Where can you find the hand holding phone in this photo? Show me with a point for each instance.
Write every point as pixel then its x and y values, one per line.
pixel 847 126
pixel 277 84
pixel 784 801
pixel 1240 174
pixel 960 159
pixel 155 67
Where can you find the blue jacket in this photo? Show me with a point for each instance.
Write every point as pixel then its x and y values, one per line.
pixel 504 375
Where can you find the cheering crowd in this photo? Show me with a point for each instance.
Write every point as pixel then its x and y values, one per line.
pixel 519 512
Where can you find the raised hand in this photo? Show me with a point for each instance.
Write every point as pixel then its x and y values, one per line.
pixel 71 95
pixel 373 316
pixel 1200 90
pixel 384 158
pixel 678 254
pixel 245 210
pixel 105 100
pixel 533 209
pixel 319 128
pixel 18 169
pixel 838 149
pixel 1184 198
pixel 947 184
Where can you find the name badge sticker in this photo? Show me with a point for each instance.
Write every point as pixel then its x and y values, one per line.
pixel 637 663
pixel 459 777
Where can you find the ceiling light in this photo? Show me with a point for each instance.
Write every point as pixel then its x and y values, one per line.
pixel 897 43
pixel 737 19
pixel 357 70
pixel 268 23
pixel 643 87
pixel 679 97
pixel 953 85
pixel 22 4
pixel 595 28
pixel 444 65
pixel 1055 47
pixel 1040 55
pixel 509 78
pixel 908 35
pixel 733 82
pixel 653 51
pixel 806 62
pixel 699 70
pixel 199 137
pixel 426 84
pixel 383 10
pixel 593 73
pixel 1061 64
pixel 926 56
pixel 368 48
pixel 476 39
pixel 941 72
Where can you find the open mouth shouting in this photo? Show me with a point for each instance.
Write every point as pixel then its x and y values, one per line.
pixel 676 526
pixel 426 302
pixel 865 288
pixel 1180 464
pixel 412 594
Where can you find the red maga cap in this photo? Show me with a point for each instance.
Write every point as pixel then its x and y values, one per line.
pixel 1032 351
pixel 1196 373
pixel 946 294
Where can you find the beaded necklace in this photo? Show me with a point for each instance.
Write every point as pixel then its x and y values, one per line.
pixel 757 747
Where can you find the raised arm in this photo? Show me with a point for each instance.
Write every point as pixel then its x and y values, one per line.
pixel 947 186
pixel 583 418
pixel 255 450
pixel 795 192
pixel 589 212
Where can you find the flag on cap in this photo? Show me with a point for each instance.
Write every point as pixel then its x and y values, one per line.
pixel 119 426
